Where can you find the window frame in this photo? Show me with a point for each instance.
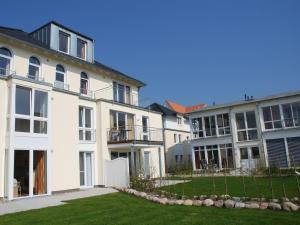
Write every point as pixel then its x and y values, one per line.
pixel 85 48
pixel 10 58
pixel 60 72
pixel 116 95
pixel 68 35
pixel 272 121
pixel 223 125
pixel 31 117
pixel 246 129
pixel 83 128
pixel 38 66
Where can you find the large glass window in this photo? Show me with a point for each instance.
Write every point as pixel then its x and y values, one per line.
pixel 210 126
pixel 223 124
pixel 121 93
pixel 197 127
pixel 85 124
pixel 5 61
pixel 34 68
pixel 60 73
pixel 226 156
pixel 246 126
pixel 271 116
pixel 81 48
pixel 64 39
pixel 291 114
pixel 122 127
pixel 26 110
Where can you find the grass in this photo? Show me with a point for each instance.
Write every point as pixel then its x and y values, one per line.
pixel 258 187
pixel 121 208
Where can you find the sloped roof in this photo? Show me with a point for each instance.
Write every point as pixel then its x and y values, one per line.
pixel 160 108
pixel 183 109
pixel 25 37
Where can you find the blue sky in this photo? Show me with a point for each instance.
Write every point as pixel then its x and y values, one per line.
pixel 188 51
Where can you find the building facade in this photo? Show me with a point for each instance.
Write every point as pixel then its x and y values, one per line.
pixel 63 114
pixel 248 134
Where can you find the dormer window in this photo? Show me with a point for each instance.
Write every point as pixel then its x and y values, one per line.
pixel 64 40
pixel 81 49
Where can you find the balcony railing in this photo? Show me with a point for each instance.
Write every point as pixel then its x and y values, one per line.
pixel 86 93
pixel 4 72
pixel 61 85
pixel 87 135
pixel 35 77
pixel 134 133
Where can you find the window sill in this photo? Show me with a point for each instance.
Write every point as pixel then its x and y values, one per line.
pixel 34 135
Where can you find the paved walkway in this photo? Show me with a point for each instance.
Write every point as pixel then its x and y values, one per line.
pixel 169 182
pixel 47 201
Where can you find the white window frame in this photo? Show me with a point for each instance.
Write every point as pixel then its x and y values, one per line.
pixel 246 126
pixel 7 57
pixel 85 48
pixel 272 121
pixel 35 65
pixel 198 128
pixel 293 118
pixel 223 127
pixel 69 39
pixel 31 116
pixel 85 129
pixel 126 100
pixel 210 126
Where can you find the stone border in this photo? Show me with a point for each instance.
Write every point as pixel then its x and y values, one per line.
pixel 220 202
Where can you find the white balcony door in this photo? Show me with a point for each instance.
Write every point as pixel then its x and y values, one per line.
pixel 86 169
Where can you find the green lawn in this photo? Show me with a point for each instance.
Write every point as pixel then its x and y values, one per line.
pixel 121 208
pixel 254 187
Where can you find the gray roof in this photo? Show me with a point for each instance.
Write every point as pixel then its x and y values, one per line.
pixel 244 102
pixel 25 37
pixel 162 109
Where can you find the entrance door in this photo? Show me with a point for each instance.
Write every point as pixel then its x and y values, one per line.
pixel 147 164
pixel 249 157
pixel 21 173
pixel 86 169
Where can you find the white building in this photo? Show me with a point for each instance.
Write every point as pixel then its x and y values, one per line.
pixel 248 134
pixel 63 115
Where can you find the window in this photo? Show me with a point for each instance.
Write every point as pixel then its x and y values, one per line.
pixel 291 114
pixel 85 124
pixel 246 126
pixel 81 48
pixel 226 155
pixel 179 120
pixel 84 83
pixel 122 127
pixel 5 61
pixel 271 115
pixel 179 159
pixel 179 138
pixel 60 73
pixel 255 152
pixel 26 110
pixel 121 93
pixel 197 127
pixel 210 126
pixel 175 138
pixel 64 39
pixel 244 153
pixel 223 124
pixel 34 68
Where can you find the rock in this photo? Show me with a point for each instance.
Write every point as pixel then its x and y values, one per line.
pixel 274 206
pixel 155 199
pixel 229 203
pixel 213 197
pixel 202 197
pixel 163 201
pixel 225 197
pixel 196 197
pixel 285 199
pixel 143 194
pixel 289 206
pixel 263 205
pixel 179 202
pixel 188 202
pixel 171 202
pixel 239 205
pixel 275 200
pixel 295 199
pixel 219 203
pixel 237 199
pixel 255 199
pixel 208 202
pixel 197 202
pixel 252 205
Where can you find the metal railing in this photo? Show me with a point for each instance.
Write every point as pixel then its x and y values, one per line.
pixel 61 85
pixel 35 77
pixel 5 72
pixel 87 135
pixel 86 93
pixel 135 133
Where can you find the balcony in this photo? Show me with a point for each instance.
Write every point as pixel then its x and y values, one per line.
pixel 135 135
pixel 35 77
pixel 86 93
pixel 5 73
pixel 61 85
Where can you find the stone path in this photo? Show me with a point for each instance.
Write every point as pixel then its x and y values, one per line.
pixel 25 204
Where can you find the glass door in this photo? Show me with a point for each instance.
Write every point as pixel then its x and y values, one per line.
pixel 21 173
pixel 86 169
pixel 39 172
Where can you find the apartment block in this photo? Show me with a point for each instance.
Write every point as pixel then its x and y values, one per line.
pixel 63 115
pixel 248 134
